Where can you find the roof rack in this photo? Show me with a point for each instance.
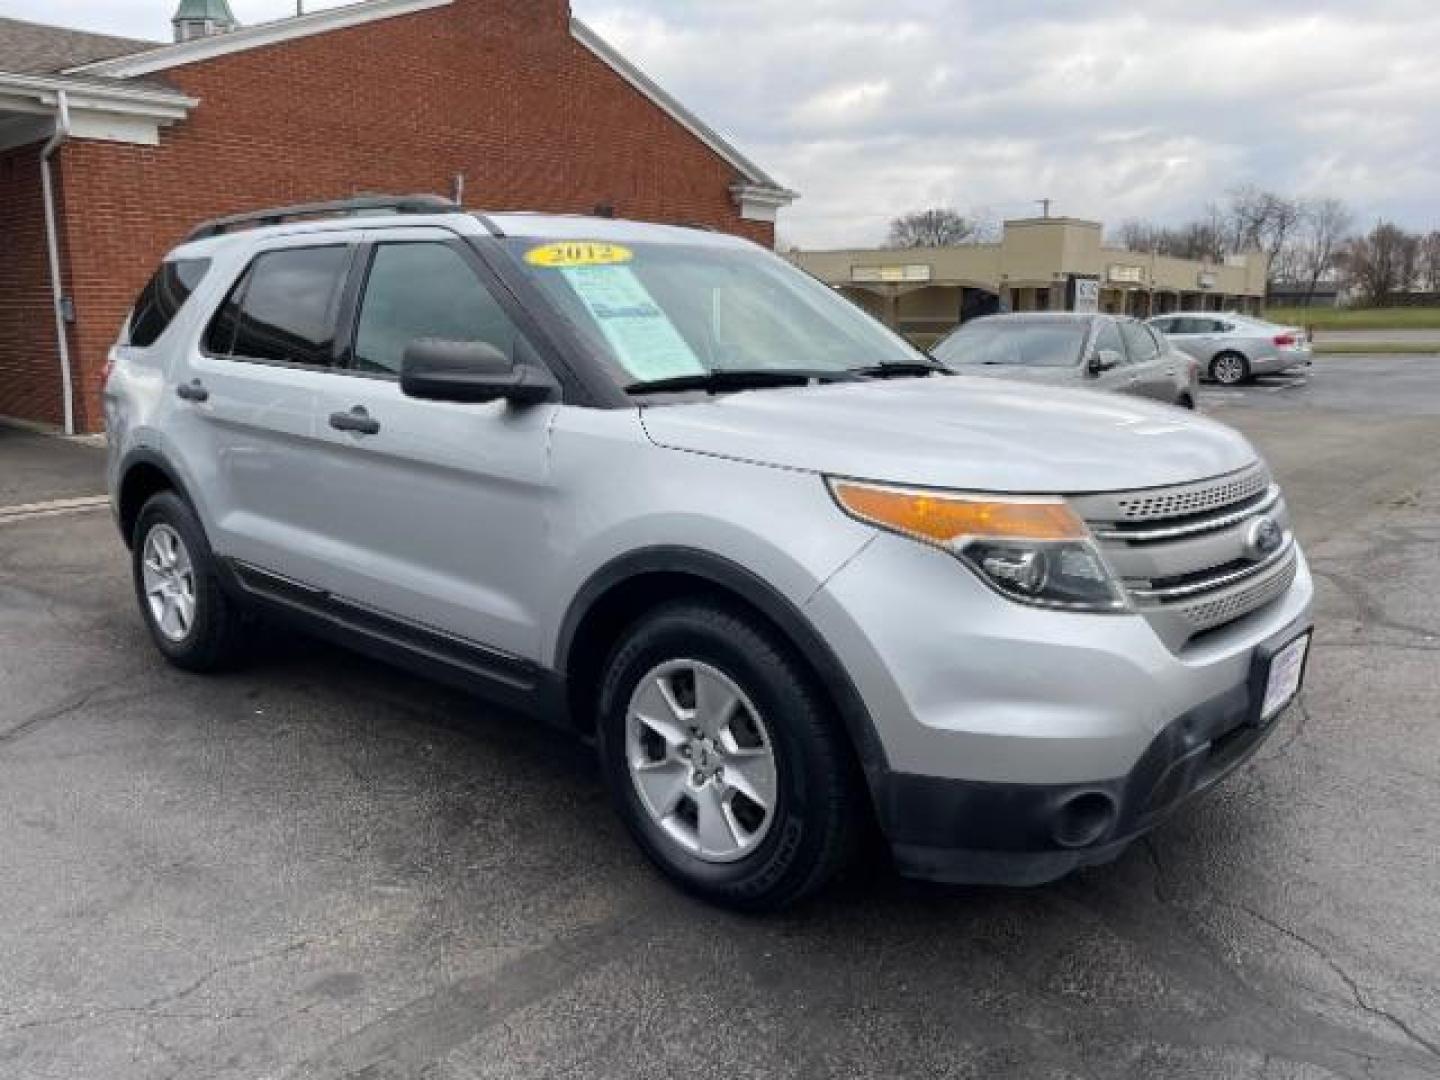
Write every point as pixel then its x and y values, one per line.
pixel 367 204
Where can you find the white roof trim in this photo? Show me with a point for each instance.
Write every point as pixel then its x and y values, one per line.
pixel 678 112
pixel 253 37
pixel 44 91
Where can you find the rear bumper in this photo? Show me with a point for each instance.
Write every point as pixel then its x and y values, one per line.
pixel 971 832
pixel 1275 363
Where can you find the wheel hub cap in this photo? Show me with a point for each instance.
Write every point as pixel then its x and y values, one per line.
pixel 701 760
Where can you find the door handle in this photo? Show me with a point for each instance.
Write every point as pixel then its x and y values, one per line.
pixel 356 420
pixel 194 390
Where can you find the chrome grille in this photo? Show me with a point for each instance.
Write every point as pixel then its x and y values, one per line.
pixel 1208 614
pixel 1184 554
pixel 1186 499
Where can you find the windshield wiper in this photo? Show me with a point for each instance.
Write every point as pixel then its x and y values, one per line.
pixel 901 370
pixel 723 379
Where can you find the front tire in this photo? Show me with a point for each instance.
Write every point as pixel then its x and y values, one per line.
pixel 724 761
pixel 191 620
pixel 1230 369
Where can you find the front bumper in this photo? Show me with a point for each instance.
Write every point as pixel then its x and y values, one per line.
pixel 1027 834
pixel 1022 744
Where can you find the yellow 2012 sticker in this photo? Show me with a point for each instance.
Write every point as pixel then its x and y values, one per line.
pixel 574 253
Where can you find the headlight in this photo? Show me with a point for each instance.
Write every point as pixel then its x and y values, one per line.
pixel 1031 549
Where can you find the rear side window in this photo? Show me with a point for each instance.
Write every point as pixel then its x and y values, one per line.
pixel 162 299
pixel 283 310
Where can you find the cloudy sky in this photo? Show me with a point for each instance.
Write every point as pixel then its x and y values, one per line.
pixel 1111 109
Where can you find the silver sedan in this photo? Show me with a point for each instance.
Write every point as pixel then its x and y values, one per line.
pixel 1096 352
pixel 1232 348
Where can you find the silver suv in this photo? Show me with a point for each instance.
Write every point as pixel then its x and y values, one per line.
pixel 660 488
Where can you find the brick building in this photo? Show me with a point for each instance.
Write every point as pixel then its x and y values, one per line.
pixel 514 101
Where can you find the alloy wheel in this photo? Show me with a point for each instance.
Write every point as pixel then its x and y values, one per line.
pixel 169 580
pixel 1229 370
pixel 702 760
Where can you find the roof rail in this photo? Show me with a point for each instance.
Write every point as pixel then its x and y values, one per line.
pixel 366 204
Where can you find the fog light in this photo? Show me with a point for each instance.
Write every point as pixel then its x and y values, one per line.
pixel 1084 819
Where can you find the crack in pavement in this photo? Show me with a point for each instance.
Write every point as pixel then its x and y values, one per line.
pixel 151 1008
pixel 1258 1021
pixel 1368 610
pixel 1350 982
pixel 68 707
pixel 48 715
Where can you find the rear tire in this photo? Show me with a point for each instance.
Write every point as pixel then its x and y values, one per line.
pixel 190 618
pixel 1230 369
pixel 724 760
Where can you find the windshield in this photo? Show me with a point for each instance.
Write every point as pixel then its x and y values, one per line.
pixel 670 311
pixel 1014 344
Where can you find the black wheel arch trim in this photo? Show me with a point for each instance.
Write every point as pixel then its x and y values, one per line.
pixel 147 455
pixel 762 596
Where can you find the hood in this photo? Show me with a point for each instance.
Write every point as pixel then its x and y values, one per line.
pixel 967 434
pixel 1057 376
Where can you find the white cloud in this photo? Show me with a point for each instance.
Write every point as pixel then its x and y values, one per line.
pixel 871 109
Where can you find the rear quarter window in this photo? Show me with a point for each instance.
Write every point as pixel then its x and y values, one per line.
pixel 163 297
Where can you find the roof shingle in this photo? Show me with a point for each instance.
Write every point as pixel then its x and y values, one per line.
pixel 28 48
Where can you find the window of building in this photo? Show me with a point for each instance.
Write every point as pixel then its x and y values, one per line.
pixel 424 290
pixel 162 299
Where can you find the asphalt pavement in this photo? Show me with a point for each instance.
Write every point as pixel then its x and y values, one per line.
pixel 318 867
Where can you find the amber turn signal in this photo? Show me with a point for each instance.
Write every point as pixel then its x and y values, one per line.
pixel 944 518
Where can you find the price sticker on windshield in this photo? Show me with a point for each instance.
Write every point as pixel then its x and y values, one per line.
pixel 573 254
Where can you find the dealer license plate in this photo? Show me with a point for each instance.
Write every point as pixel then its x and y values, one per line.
pixel 1283 683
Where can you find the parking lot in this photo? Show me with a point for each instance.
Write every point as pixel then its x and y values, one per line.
pixel 318 867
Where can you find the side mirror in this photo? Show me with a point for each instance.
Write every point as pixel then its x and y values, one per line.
pixel 471 372
pixel 1103 361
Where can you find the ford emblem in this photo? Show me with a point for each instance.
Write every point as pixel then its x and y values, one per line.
pixel 1264 539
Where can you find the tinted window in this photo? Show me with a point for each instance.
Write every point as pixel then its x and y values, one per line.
pixel 284 308
pixel 163 298
pixel 1138 342
pixel 1003 343
pixel 424 291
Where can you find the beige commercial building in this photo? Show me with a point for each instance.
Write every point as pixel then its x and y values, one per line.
pixel 1040 264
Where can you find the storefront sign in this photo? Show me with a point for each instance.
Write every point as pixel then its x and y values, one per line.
pixel 913 273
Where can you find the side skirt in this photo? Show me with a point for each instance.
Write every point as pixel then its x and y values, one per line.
pixel 509 681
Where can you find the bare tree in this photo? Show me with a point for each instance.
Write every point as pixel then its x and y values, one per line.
pixel 1257 220
pixel 1378 261
pixel 932 228
pixel 1323 232
pixel 1430 260
pixel 1195 240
